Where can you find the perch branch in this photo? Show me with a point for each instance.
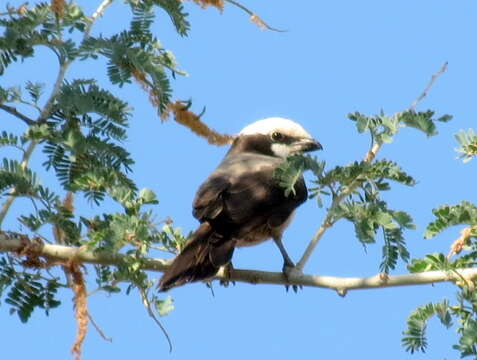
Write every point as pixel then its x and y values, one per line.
pixel 58 254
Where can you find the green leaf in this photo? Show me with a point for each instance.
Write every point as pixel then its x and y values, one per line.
pixel 468 144
pixel 431 262
pixel 35 90
pixel 291 170
pixel 164 306
pixel 423 121
pixel 464 213
pixel 147 196
pixel 414 338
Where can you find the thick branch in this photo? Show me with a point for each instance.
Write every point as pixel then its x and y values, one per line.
pixel 21 244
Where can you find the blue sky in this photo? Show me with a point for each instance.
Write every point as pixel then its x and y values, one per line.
pixel 337 57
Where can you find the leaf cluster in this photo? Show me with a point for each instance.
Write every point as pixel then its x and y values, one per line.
pixel 464 213
pixel 39 26
pixel 463 313
pixel 383 127
pixel 468 144
pixel 25 291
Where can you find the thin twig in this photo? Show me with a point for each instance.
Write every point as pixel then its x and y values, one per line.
pixel 369 157
pixel 434 77
pixel 147 305
pixel 254 17
pixel 98 329
pixel 13 111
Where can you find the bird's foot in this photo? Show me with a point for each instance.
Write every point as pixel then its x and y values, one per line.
pixel 227 271
pixel 290 271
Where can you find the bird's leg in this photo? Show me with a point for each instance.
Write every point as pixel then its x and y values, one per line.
pixel 289 268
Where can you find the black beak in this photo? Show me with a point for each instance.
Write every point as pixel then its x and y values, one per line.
pixel 307 145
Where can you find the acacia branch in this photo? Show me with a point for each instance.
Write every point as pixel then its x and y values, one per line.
pixel 13 111
pixel 254 17
pixel 369 157
pixel 434 77
pixel 22 245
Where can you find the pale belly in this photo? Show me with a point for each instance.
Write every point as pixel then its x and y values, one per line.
pixel 264 233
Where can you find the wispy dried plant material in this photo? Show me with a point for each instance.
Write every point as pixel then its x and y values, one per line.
pixel 58 7
pixel 81 307
pixel 187 118
pixel 68 202
pixel 258 21
pixel 154 95
pixel 463 239
pixel 58 233
pixel 219 4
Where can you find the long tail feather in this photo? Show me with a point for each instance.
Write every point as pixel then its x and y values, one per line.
pixel 200 259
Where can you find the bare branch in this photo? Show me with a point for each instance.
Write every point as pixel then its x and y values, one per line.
pixel 434 77
pixel 98 329
pixel 59 254
pixel 147 304
pixel 254 17
pixel 99 12
pixel 13 111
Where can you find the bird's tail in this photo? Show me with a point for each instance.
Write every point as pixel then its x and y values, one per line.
pixel 200 259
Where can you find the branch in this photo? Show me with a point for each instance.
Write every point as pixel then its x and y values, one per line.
pixel 60 254
pixel 254 17
pixel 434 77
pixel 99 12
pixel 11 197
pixel 13 111
pixel 64 66
pixel 369 157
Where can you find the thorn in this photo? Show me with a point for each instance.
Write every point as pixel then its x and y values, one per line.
pixel 342 292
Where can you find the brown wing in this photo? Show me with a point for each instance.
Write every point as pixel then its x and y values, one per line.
pixel 243 193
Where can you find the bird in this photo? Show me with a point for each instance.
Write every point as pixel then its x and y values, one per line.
pixel 241 203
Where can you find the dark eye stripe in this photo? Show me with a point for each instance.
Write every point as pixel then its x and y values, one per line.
pixel 277 136
pixel 281 138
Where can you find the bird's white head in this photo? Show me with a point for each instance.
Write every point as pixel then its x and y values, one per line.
pixel 269 125
pixel 286 136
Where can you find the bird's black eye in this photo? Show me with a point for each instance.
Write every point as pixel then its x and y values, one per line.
pixel 277 136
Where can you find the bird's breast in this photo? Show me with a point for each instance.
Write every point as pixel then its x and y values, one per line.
pixel 263 233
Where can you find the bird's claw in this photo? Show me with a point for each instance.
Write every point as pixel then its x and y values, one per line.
pixel 227 270
pixel 290 271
